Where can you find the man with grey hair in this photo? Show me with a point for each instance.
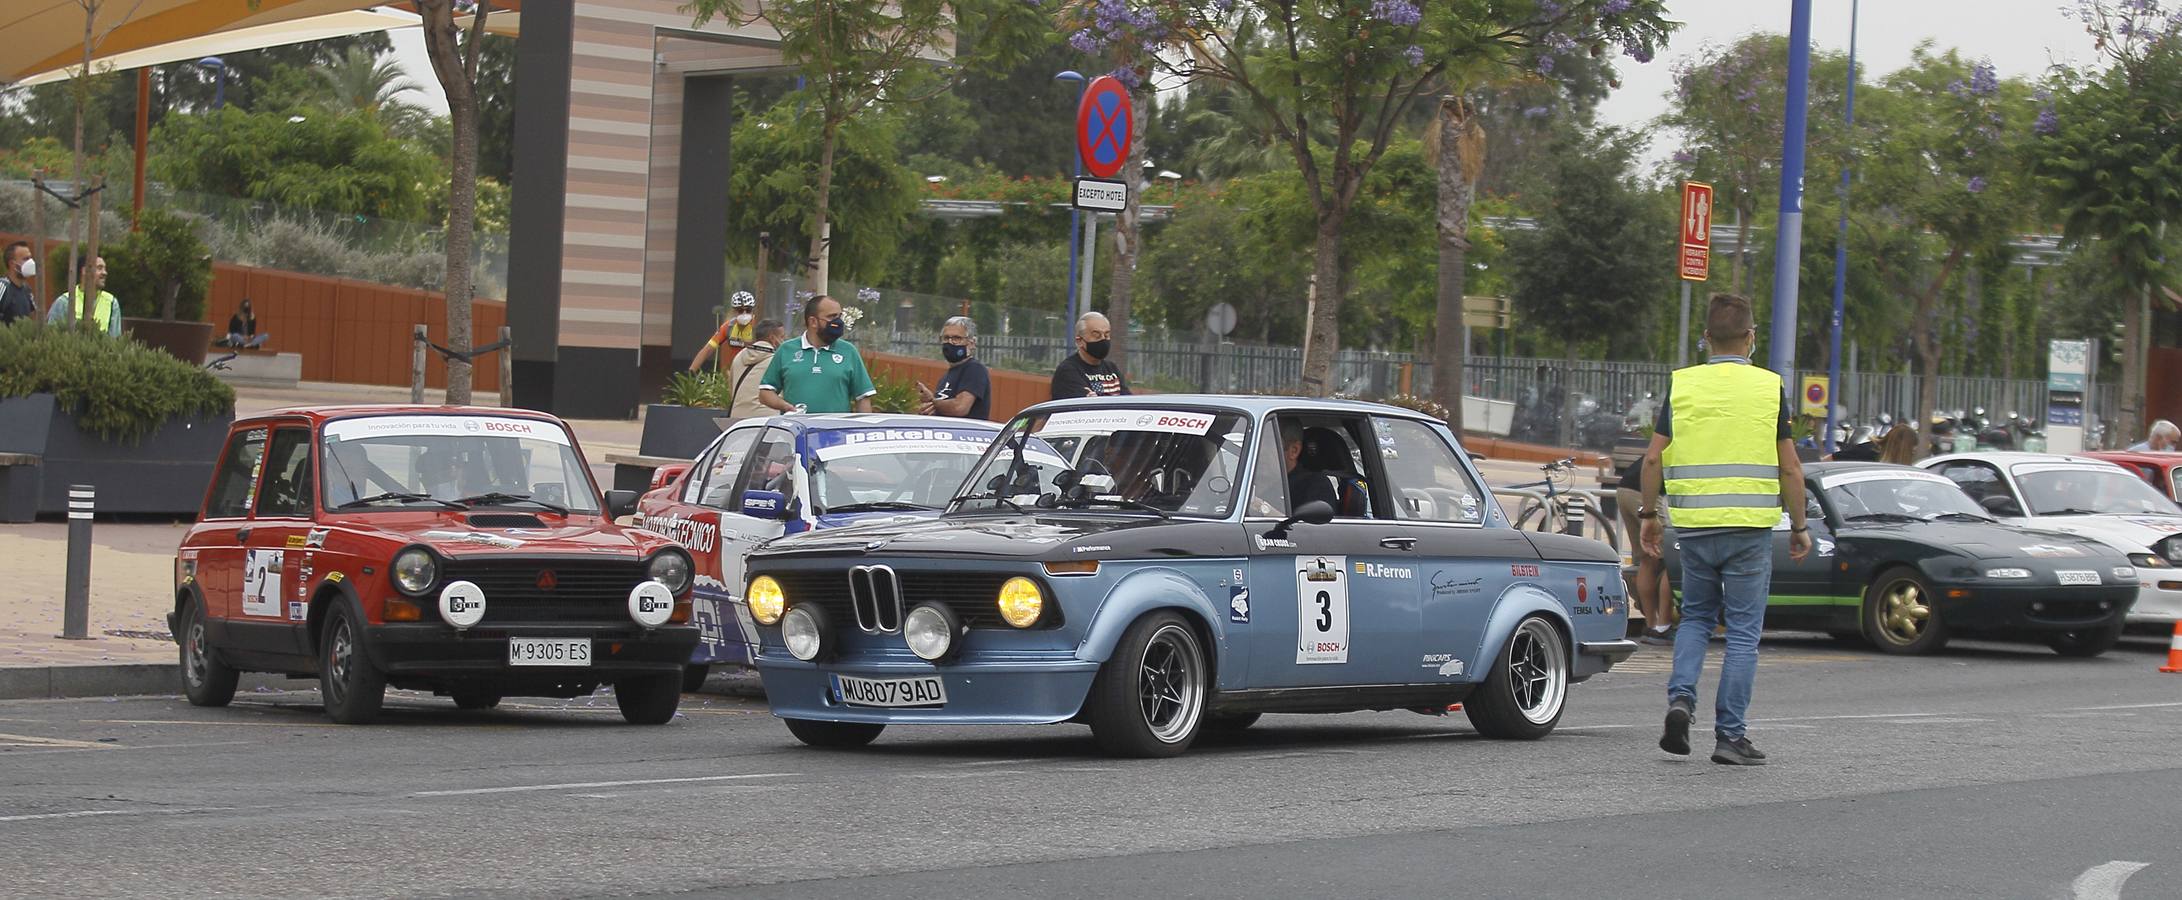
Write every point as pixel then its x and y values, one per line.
pixel 1086 373
pixel 965 389
pixel 2163 437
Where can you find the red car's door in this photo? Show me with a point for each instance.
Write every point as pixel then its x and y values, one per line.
pixel 217 542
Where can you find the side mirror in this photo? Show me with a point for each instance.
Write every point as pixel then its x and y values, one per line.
pixel 2001 505
pixel 1316 512
pixel 764 505
pixel 620 503
pixel 665 475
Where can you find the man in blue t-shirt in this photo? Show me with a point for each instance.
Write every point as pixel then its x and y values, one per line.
pixel 965 390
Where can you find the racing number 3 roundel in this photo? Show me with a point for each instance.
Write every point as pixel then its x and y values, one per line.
pixel 1322 610
pixel 1103 126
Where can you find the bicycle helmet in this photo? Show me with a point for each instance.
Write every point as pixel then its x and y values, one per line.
pixel 743 300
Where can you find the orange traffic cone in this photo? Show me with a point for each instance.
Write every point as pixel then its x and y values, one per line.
pixel 2174 650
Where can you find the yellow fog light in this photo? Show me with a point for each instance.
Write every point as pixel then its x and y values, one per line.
pixel 767 602
pixel 1021 603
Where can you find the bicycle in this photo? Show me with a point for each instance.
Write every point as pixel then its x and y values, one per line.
pixel 1562 510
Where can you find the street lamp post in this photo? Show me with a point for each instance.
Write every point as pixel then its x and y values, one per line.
pixel 1075 216
pixel 219 93
pixel 1788 249
pixel 1841 252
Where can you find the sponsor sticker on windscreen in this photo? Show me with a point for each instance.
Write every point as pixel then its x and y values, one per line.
pixel 888 441
pixel 1848 478
pixel 444 426
pixel 1106 421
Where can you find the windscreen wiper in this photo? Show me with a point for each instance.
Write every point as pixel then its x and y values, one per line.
pixel 1123 502
pixel 875 505
pixel 503 498
pixel 405 497
pixel 1884 517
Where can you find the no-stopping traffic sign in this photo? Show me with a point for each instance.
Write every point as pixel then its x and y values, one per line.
pixel 1104 127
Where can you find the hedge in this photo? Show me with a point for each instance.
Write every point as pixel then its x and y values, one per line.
pixel 119 390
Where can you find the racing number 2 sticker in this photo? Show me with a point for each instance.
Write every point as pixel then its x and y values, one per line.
pixel 1322 610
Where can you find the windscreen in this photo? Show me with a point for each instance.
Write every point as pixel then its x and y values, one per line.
pixel 1160 461
pixel 394 461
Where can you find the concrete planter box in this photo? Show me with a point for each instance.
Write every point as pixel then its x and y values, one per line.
pixel 165 474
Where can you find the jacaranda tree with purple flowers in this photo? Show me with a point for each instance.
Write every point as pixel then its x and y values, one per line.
pixel 1334 79
pixel 856 53
pixel 2110 157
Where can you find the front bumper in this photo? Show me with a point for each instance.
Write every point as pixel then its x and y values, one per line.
pixel 2034 607
pixel 984 688
pixel 432 651
pixel 2159 597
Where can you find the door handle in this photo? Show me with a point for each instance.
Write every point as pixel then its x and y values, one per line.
pixel 242 534
pixel 1398 543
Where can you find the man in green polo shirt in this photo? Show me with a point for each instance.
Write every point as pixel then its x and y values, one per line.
pixel 818 372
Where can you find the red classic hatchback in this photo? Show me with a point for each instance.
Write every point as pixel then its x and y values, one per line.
pixel 458 550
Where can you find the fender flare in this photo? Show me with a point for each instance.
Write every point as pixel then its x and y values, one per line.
pixel 1510 609
pixel 1143 591
pixel 184 595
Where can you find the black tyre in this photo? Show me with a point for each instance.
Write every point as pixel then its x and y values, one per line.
pixel 475 698
pixel 834 735
pixel 1149 698
pixel 351 688
pixel 2088 642
pixel 1523 695
pixel 1230 723
pixel 693 678
pixel 206 681
pixel 1898 615
pixel 649 699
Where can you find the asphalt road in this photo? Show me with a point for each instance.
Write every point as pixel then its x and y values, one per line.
pixel 1988 771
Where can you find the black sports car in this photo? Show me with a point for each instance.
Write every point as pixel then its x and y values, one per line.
pixel 1903 559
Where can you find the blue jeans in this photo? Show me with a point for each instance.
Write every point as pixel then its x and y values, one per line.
pixel 1725 576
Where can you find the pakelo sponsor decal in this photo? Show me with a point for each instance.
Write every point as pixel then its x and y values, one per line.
pixel 1446 664
pixel 1377 570
pixel 833 445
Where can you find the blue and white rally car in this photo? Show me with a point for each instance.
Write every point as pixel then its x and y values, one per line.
pixel 763 478
pixel 1156 566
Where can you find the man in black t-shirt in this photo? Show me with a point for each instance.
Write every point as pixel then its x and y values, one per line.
pixel 1086 373
pixel 965 390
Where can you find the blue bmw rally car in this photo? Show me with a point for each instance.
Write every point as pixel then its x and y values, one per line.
pixel 1157 566
pixel 766 477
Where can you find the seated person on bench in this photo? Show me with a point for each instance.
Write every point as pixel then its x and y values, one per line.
pixel 242 330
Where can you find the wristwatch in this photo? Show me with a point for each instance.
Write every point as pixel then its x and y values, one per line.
pixel 1646 512
pixel 1799 529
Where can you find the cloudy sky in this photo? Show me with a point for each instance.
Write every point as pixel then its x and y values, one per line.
pixel 2021 37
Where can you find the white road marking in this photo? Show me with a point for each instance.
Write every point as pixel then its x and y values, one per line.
pixel 88 813
pixel 2103 882
pixel 569 786
pixel 24 740
pixel 990 762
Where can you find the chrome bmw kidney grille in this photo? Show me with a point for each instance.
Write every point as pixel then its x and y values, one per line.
pixel 875 599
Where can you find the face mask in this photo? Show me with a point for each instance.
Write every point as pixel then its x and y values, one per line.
pixel 954 353
pixel 743 319
pixel 1098 349
pixel 30 267
pixel 834 330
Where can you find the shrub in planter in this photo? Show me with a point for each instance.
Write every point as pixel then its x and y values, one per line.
pixel 161 270
pixel 696 389
pixel 896 395
pixel 119 390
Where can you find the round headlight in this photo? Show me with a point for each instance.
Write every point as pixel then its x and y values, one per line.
pixel 767 602
pixel 1021 603
pixel 672 568
pixel 804 630
pixel 414 570
pixel 930 631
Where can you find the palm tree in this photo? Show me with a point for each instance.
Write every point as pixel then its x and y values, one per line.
pixel 364 83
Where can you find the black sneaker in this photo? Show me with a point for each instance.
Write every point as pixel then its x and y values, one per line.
pixel 1676 739
pixel 1737 752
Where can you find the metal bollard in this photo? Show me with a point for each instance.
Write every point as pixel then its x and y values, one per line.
pixel 76 614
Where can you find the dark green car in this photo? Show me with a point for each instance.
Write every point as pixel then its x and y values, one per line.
pixel 1903 560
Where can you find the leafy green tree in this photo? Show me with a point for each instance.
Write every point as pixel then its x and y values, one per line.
pixel 455 60
pixel 772 187
pixel 1592 265
pixel 858 53
pixel 346 164
pixel 2110 158
pixel 361 83
pixel 1354 69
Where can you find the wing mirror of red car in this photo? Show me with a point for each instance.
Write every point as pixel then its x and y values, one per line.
pixel 620 503
pixel 666 475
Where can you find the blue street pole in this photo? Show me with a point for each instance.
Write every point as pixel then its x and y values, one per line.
pixel 1075 216
pixel 1789 249
pixel 1841 249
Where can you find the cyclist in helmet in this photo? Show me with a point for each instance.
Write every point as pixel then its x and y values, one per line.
pixel 735 333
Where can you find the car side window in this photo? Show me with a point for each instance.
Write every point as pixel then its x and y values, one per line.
pixel 716 484
pixel 1269 484
pixel 238 475
pixel 287 488
pixel 1977 479
pixel 772 467
pixel 1424 476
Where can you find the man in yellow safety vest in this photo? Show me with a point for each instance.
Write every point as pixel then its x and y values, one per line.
pixel 1722 453
pixel 102 312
